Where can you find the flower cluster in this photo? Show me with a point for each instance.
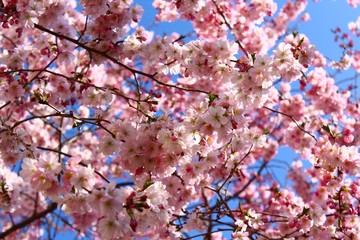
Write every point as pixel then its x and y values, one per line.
pixel 120 133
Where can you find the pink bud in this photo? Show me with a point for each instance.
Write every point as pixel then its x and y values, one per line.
pixel 133 224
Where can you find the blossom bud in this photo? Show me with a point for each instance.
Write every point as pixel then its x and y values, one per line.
pixel 133 224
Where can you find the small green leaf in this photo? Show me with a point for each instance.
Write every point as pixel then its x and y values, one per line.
pixel 130 212
pixel 301 41
pixel 253 57
pixel 295 33
pixel 147 184
pixel 305 211
pixel 139 207
pixel 212 97
pixel 340 223
pixel 41 97
pixel 326 128
pixel 265 132
pixel 151 119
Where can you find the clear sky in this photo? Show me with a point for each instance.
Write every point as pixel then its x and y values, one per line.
pixel 325 15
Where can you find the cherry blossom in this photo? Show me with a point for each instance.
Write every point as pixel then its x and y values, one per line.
pixel 111 130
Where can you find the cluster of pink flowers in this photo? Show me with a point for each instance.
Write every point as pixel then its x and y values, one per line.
pixel 119 133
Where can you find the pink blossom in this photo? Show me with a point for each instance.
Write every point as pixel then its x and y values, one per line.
pixel 121 132
pixel 109 228
pixel 84 178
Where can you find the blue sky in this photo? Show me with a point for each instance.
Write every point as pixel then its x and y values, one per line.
pixel 325 15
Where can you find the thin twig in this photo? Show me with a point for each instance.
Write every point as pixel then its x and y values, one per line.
pixel 250 181
pixel 230 28
pixel 54 150
pixel 7 103
pixel 293 119
pixel 234 168
pixel 114 60
pixel 97 172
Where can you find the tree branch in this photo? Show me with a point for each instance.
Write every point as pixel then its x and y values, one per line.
pixel 114 60
pixel 293 119
pixel 28 221
pixel 230 28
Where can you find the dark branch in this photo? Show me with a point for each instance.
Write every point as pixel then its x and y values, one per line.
pixel 28 221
